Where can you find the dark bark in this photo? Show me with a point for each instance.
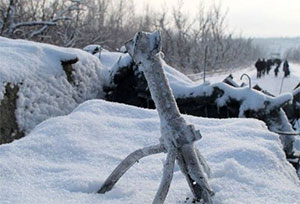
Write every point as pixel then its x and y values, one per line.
pixel 9 130
pixel 68 68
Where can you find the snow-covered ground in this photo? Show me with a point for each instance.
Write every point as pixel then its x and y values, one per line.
pixel 268 82
pixel 66 159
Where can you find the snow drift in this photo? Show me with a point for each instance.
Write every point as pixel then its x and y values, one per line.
pixel 67 158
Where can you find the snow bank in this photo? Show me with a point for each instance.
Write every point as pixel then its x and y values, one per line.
pixel 44 90
pixel 66 159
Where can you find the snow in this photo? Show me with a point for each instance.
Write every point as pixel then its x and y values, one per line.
pixel 67 158
pixel 269 82
pixel 251 99
pixel 183 87
pixel 44 91
pixel 123 49
pixel 109 59
pixel 180 84
pixel 93 48
pixel 123 61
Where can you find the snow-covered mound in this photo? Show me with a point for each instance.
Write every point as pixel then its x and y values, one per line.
pixel 44 88
pixel 66 159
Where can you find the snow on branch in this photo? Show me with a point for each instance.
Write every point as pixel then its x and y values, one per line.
pixel 15 24
pixel 37 23
pixel 34 23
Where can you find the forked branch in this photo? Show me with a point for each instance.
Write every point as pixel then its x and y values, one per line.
pixel 128 162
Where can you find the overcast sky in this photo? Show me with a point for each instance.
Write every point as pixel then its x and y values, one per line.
pixel 252 18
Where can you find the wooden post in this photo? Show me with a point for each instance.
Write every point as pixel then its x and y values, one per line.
pixel 177 137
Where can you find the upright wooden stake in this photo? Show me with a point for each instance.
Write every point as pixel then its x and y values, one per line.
pixel 177 137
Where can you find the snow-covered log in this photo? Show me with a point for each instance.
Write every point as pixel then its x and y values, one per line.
pixel 40 81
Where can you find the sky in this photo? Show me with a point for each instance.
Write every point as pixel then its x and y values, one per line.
pixel 251 18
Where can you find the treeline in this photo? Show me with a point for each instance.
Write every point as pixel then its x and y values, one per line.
pixel 189 44
pixel 293 54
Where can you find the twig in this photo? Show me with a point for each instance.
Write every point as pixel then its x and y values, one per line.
pixel 128 162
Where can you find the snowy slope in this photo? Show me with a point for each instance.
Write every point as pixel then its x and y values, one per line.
pixel 268 82
pixel 273 84
pixel 66 159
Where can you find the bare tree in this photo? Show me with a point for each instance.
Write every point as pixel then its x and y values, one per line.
pixel 293 54
pixel 32 19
